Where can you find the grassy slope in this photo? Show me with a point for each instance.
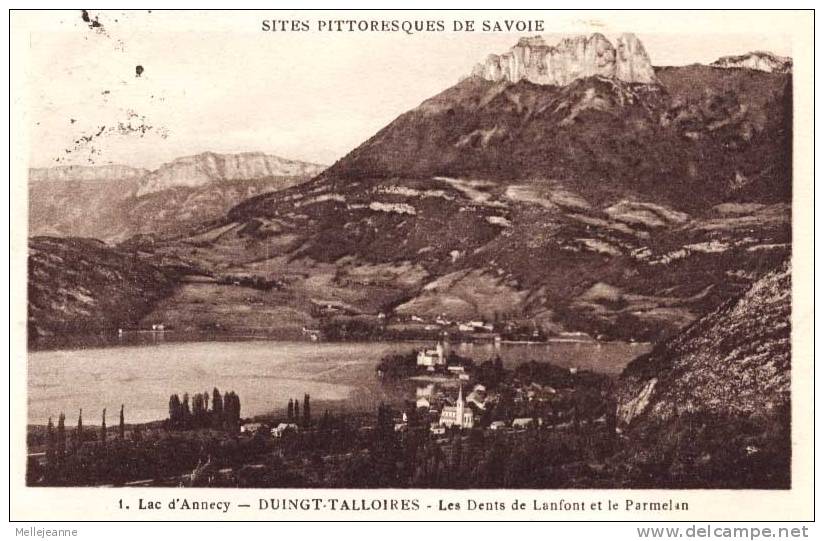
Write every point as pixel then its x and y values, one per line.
pixel 84 286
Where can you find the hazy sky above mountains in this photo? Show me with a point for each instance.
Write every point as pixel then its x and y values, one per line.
pixel 216 82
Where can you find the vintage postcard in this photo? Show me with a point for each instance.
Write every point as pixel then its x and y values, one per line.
pixel 411 265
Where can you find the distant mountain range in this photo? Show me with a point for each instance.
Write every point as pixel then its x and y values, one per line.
pixel 115 202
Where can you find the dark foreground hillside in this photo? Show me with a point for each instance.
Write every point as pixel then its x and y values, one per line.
pixel 711 407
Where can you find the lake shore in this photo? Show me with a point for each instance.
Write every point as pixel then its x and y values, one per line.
pixel 266 372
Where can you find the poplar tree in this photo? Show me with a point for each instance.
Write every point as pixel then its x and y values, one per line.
pixel 307 416
pixel 50 448
pixel 78 433
pixel 174 411
pixel 227 410
pixel 198 410
pixel 186 412
pixel 122 426
pixel 103 428
pixel 61 437
pixel 231 409
pixel 217 409
pixel 457 457
pixel 290 411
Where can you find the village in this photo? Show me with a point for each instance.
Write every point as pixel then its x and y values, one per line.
pixel 453 392
pixel 452 403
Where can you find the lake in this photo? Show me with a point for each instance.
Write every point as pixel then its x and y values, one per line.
pixel 142 373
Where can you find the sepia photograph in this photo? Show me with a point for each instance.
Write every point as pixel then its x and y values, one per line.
pixel 406 250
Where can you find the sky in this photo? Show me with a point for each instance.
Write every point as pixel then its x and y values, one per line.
pixel 217 82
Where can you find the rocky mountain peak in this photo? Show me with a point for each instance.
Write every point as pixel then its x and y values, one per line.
pixel 757 60
pixel 572 58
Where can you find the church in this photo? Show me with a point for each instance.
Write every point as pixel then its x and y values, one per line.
pixel 459 415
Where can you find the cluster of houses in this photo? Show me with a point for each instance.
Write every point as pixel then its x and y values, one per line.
pixel 483 330
pixel 475 326
pixel 276 432
pixel 464 412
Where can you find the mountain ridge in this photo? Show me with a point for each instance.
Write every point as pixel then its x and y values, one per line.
pixel 207 167
pixel 114 202
pixel 625 210
pixel 622 209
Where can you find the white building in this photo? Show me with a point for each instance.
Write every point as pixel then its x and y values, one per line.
pixel 478 398
pixel 475 326
pixel 279 430
pixel 431 358
pixel 458 415
pixel 251 427
pixel 423 402
pixel 522 423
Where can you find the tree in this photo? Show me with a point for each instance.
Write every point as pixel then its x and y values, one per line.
pixel 61 438
pixel 307 416
pixel 50 444
pixel 199 409
pixel 326 420
pixel 217 409
pixel 122 426
pixel 494 467
pixel 290 411
pixel 227 410
pixel 297 411
pixel 175 411
pixel 103 428
pixel 78 433
pixel 499 369
pixel 457 459
pixel 186 412
pixel 385 450
pixel 412 418
pixel 612 420
pixel 231 410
